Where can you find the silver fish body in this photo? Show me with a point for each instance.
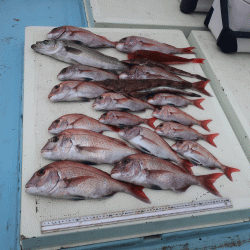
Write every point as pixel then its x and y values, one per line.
pixel 201 156
pixel 122 119
pixel 85 146
pixel 74 54
pixel 75 91
pixel 76 181
pixel 162 99
pixel 179 132
pixel 149 142
pixel 153 172
pixel 84 73
pixel 172 114
pixel 133 43
pixel 115 101
pixel 77 121
pixel 72 33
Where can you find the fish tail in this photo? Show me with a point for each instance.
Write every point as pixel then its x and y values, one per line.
pixel 228 171
pixel 187 50
pixel 114 128
pixel 210 138
pixel 200 87
pixel 137 192
pixel 151 121
pixel 197 103
pixel 207 181
pixel 197 60
pixel 204 123
pixel 187 165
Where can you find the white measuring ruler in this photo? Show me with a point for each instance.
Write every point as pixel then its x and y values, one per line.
pixel 133 215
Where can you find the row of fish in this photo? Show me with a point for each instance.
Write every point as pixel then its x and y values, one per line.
pixel 79 138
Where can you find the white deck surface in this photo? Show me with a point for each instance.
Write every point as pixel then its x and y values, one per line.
pixel 157 14
pixel 40 76
pixel 231 82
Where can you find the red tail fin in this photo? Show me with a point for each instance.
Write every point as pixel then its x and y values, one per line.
pixel 114 128
pixel 137 192
pixel 203 124
pixel 197 103
pixel 188 50
pixel 200 87
pixel 151 121
pixel 206 181
pixel 228 171
pixel 187 165
pixel 209 139
pixel 197 60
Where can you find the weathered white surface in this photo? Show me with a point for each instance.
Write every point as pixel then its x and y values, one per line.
pixel 158 14
pixel 40 76
pixel 230 76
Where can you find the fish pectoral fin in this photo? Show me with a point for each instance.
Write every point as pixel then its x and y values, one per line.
pixel 76 181
pixel 146 44
pixel 178 138
pixel 76 121
pixel 194 161
pixel 73 50
pixel 89 149
pixel 183 189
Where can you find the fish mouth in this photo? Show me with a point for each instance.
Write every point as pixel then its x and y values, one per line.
pixel 123 76
pixel 119 46
pixel 151 101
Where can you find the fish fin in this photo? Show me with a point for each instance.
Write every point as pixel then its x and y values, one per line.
pixel 146 44
pixel 114 128
pixel 197 60
pixel 206 181
pixel 183 189
pixel 89 162
pixel 197 103
pixel 194 161
pixel 228 171
pixel 77 198
pixel 187 50
pixel 154 76
pixel 210 138
pixel 90 149
pixel 120 142
pixel 200 87
pixel 137 192
pixel 84 99
pixel 75 181
pixel 155 187
pixel 124 109
pixel 144 150
pixel 187 165
pixel 151 121
pixel 73 50
pixel 204 123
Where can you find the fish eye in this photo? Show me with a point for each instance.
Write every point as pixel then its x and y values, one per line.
pixel 41 172
pixel 57 120
pixel 56 87
pixel 126 161
pixel 55 139
pixel 63 70
pixel 161 125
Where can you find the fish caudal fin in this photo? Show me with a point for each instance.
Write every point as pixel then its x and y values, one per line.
pixel 151 121
pixel 197 60
pixel 206 181
pixel 137 192
pixel 228 171
pixel 210 138
pixel 200 87
pixel 187 50
pixel 204 123
pixel 197 103
pixel 187 165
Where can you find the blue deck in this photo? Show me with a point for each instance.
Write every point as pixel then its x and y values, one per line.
pixel 15 15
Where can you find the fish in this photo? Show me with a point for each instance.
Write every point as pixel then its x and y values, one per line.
pixel 115 101
pixel 179 132
pixel 155 173
pixel 201 156
pixel 131 87
pixel 75 91
pixel 72 53
pixel 78 121
pixel 133 43
pixel 76 181
pixel 123 119
pixel 162 99
pixel 150 63
pixel 161 57
pixel 149 142
pixel 84 73
pixel 86 37
pixel 172 114
pixel 85 146
pixel 146 72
